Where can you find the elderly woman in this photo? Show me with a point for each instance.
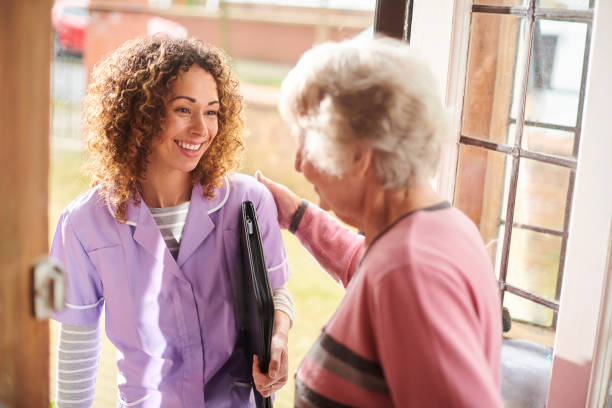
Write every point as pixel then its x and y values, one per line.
pixel 156 240
pixel 419 325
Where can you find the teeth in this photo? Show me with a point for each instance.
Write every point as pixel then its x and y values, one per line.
pixel 188 146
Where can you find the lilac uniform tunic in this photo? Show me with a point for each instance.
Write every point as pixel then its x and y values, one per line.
pixel 173 322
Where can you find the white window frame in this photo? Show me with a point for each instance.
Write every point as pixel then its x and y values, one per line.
pixel 440 31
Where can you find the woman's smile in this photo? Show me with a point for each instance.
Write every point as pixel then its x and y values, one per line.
pixel 190 149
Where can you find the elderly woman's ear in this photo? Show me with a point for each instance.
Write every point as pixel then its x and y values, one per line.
pixel 363 160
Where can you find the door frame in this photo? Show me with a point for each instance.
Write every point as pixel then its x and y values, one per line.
pixel 25 52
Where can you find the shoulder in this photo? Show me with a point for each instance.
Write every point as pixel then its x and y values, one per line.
pixel 430 244
pixel 83 213
pixel 87 206
pixel 244 187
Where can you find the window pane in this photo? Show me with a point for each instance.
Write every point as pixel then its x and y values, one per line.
pixel 551 141
pixel 494 75
pixel 502 2
pixel 517 307
pixel 566 4
pixel 480 191
pixel 541 195
pixel 556 72
pixel 534 264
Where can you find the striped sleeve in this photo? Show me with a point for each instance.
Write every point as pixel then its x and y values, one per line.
pixel 283 302
pixel 77 365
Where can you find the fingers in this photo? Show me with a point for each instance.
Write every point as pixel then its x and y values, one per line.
pixel 275 362
pixel 286 200
pixel 270 185
pixel 260 379
pixel 268 391
pixel 265 384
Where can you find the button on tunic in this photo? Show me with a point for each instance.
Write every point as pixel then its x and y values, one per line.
pixel 173 322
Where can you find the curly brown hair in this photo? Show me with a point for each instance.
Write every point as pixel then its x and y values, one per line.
pixel 125 106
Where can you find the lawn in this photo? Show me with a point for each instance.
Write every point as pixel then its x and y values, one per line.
pixel 315 294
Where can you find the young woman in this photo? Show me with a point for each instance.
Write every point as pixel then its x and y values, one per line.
pixel 156 241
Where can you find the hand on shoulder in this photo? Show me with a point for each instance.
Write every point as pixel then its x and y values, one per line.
pixel 287 201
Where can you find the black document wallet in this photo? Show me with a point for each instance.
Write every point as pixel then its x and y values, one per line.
pixel 258 301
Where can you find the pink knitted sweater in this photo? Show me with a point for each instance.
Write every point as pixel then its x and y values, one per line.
pixel 420 322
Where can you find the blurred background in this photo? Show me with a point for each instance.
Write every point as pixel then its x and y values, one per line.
pixel 265 39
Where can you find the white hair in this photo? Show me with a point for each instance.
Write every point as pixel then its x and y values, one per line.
pixel 374 90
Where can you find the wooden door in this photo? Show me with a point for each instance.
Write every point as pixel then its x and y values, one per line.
pixel 25 55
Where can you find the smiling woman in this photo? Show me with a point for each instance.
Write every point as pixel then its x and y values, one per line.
pixel 189 128
pixel 133 99
pixel 156 242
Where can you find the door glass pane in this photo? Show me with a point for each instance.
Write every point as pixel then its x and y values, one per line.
pixel 533 266
pixel 541 196
pixel 517 305
pixel 494 75
pixel 480 191
pixel 551 141
pixel 555 73
pixel 502 2
pixel 566 4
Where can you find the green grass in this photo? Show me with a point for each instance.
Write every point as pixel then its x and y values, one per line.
pixel 66 182
pixel 315 294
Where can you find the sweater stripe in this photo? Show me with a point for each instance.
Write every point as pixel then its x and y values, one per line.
pixel 336 358
pixel 307 398
pixel 350 357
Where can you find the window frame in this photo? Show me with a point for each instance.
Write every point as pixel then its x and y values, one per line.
pixel 515 151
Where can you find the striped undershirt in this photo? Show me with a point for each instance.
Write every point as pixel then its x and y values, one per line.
pixel 79 346
pixel 171 221
pixel 77 365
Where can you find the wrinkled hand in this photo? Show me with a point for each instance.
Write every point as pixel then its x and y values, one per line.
pixel 268 384
pixel 287 202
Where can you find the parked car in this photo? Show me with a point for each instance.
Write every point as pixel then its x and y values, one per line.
pixel 69 19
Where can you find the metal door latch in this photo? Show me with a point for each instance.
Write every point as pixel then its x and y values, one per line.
pixel 49 287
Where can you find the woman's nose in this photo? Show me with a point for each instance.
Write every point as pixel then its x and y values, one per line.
pixel 198 125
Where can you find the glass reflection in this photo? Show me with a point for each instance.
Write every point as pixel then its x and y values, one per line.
pixel 555 76
pixel 481 191
pixel 566 4
pixel 533 266
pixel 502 2
pixel 494 75
pixel 541 194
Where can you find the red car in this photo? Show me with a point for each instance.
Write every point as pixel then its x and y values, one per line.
pixel 69 19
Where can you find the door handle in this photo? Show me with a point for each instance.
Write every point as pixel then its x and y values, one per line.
pixel 49 287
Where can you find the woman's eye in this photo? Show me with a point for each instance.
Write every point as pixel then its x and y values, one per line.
pixel 182 109
pixel 212 113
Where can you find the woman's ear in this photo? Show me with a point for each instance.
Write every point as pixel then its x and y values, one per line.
pixel 362 159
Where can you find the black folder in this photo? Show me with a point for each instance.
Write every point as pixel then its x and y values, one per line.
pixel 258 301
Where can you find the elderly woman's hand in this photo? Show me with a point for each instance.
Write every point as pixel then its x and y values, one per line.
pixel 268 384
pixel 287 202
